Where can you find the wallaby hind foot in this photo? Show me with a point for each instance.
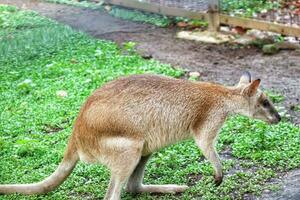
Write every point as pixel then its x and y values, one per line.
pixel 135 185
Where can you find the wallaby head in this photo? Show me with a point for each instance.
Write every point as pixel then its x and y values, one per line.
pixel 256 103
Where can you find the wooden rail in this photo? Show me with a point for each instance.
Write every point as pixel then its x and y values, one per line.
pixel 260 25
pixel 224 19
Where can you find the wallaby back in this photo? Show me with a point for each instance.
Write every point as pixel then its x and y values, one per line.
pixel 156 109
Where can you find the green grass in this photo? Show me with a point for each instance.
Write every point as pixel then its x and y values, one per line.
pixel 275 97
pixel 247 8
pixel 297 108
pixel 39 57
pixel 86 4
pixel 139 16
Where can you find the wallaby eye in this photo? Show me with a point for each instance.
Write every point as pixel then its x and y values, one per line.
pixel 266 103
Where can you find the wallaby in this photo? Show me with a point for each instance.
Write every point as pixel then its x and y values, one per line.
pixel 122 123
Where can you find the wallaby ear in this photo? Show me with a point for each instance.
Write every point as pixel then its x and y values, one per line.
pixel 245 78
pixel 251 89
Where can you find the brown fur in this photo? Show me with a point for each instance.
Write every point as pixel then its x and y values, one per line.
pixel 125 121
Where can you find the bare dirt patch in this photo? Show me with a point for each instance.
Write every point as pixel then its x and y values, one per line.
pixel 290 189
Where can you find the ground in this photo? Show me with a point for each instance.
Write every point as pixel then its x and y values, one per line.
pixel 219 63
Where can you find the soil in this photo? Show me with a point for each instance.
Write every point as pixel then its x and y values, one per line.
pixel 219 63
pixel 290 189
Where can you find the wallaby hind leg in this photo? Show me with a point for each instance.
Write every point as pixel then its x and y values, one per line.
pixel 118 179
pixel 115 187
pixel 134 184
pixel 124 155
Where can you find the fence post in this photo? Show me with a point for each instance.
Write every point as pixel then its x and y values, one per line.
pixel 213 15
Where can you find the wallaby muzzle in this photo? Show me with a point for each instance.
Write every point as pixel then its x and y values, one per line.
pixel 276 119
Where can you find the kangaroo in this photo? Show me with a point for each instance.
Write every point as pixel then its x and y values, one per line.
pixel 122 123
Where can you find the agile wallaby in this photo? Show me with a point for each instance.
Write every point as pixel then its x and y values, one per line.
pixel 125 121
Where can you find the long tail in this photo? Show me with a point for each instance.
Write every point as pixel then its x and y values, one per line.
pixel 50 183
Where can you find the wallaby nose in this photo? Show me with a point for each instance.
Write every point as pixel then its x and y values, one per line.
pixel 278 117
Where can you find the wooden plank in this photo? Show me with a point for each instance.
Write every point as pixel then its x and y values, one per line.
pixel 260 25
pixel 163 10
pixel 180 12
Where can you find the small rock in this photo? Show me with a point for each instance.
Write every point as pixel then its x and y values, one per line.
pixel 225 29
pixel 287 46
pixel 49 65
pixel 286 17
pixel 194 74
pixel 291 40
pixel 205 36
pixel 26 81
pixel 147 56
pixel 26 84
pixel 244 40
pixel 264 11
pixel 270 49
pixel 62 93
pixel 256 33
pixel 24 104
pixel 88 80
pixel 73 61
pixel 107 8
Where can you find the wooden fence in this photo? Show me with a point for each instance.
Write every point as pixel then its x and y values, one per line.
pixel 212 15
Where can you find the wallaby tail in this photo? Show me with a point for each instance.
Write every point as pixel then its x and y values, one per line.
pixel 50 183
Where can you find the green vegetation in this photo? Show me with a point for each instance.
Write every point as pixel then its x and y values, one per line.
pixel 275 97
pixel 48 70
pixel 139 16
pixel 247 8
pixel 155 19
pixel 86 4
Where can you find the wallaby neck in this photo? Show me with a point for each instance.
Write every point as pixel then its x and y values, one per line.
pixel 237 104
